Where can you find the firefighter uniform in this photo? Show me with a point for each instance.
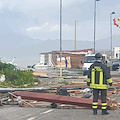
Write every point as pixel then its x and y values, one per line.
pixel 98 79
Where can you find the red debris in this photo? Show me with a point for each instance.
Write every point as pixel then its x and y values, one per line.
pixel 84 102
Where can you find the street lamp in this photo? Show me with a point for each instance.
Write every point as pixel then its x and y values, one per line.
pixel 60 38
pixel 75 35
pixel 95 22
pixel 111 30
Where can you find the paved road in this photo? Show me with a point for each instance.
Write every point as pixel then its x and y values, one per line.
pixel 115 74
pixel 29 113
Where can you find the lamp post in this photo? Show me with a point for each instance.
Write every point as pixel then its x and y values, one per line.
pixel 60 38
pixel 111 30
pixel 75 35
pixel 95 22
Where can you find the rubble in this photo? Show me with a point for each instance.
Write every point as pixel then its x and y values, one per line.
pixel 77 99
pixel 83 102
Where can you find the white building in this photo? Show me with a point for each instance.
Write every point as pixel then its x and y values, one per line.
pixel 117 52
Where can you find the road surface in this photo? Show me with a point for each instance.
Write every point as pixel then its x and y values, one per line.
pixel 29 113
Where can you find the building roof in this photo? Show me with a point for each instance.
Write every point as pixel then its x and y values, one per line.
pixel 84 50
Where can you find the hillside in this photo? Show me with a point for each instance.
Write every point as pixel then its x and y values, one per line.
pixel 30 53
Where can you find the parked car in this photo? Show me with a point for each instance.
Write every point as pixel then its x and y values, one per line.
pixel 89 60
pixel 115 65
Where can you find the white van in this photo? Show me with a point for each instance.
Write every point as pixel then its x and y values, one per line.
pixel 89 60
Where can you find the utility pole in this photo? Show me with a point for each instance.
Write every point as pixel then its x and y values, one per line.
pixel 95 23
pixel 111 30
pixel 60 38
pixel 75 35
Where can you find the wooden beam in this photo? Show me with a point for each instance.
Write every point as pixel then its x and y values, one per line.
pixel 84 102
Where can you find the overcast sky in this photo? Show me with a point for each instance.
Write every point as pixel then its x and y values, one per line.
pixel 40 18
pixel 23 20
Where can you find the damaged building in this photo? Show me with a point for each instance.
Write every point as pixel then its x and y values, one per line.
pixel 52 59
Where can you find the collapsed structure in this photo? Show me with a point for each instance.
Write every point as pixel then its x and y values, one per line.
pixel 76 98
pixel 75 59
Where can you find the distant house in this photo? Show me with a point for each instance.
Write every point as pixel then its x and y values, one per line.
pixel 117 52
pixel 74 58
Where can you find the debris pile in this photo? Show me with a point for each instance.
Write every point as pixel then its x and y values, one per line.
pixel 72 95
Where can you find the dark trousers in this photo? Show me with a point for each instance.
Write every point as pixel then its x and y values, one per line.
pixel 96 95
pixel 103 98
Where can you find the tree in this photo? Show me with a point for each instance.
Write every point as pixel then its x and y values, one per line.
pixel 15 77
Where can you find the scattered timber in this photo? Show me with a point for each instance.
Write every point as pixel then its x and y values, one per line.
pixel 83 102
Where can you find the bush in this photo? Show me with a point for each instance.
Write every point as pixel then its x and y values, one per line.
pixel 15 77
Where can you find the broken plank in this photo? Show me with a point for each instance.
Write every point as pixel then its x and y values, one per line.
pixel 84 102
pixel 72 86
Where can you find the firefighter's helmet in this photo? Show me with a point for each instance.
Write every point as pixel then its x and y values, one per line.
pixel 98 56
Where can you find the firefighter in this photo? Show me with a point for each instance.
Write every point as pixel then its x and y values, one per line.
pixel 98 79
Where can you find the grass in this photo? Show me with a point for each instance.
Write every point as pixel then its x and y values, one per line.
pixel 63 82
pixel 65 75
pixel 80 73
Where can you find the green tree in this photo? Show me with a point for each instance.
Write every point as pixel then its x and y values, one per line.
pixel 15 77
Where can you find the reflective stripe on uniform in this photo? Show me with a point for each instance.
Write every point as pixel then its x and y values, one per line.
pixel 93 76
pixel 94 106
pixel 109 80
pixel 97 86
pixel 103 104
pixel 95 103
pixel 104 107
pixel 101 78
pixel 88 79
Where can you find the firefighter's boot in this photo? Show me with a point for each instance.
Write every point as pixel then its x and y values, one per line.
pixel 94 111
pixel 104 112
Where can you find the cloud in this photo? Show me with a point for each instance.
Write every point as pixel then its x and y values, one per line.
pixel 24 5
pixel 50 31
pixel 47 27
pixel 1 4
pixel 42 16
pixel 84 31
